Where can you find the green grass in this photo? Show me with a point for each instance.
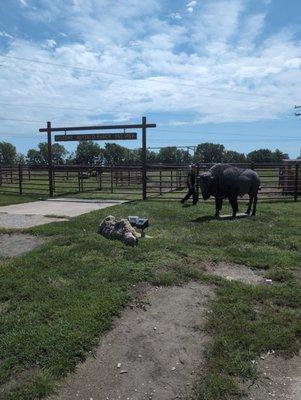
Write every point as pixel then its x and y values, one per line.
pixel 7 199
pixel 57 300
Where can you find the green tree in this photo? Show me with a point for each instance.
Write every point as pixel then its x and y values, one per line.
pixel 171 155
pixel 59 153
pixel 278 156
pixel 8 153
pixel 260 156
pixel 231 156
pixel 209 153
pixel 114 154
pixel 40 156
pixel 151 157
pixel 20 158
pixel 34 157
pixel 135 156
pixel 86 152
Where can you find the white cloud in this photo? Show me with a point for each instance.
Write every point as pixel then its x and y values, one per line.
pixel 190 6
pixel 50 43
pixel 6 35
pixel 252 28
pixel 23 3
pixel 176 15
pixel 154 65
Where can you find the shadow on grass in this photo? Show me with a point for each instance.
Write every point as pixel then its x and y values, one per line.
pixel 205 218
pixel 221 218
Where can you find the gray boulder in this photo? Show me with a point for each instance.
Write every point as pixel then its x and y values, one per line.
pixel 122 230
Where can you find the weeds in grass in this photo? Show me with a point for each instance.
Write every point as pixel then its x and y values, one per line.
pixel 63 296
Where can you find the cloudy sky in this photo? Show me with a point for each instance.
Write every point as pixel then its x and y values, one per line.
pixel 225 71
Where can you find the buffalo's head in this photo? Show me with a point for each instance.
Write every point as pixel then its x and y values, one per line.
pixel 205 181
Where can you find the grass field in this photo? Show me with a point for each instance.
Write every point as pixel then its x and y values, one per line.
pixel 56 301
pixel 7 199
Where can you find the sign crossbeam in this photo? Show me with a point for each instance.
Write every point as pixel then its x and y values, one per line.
pixel 96 128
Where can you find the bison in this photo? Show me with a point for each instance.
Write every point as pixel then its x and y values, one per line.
pixel 227 181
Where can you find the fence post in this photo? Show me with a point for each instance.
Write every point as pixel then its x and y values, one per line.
pixel 82 178
pixel 160 181
pixel 197 181
pixel 49 147
pixel 20 179
pixel 0 175
pixel 53 180
pixel 100 181
pixel 111 178
pixel 296 181
pixel 78 179
pixel 143 159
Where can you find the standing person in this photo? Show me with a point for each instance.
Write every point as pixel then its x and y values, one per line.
pixel 191 184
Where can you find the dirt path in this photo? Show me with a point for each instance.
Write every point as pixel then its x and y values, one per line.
pixel 236 272
pixel 281 379
pixel 26 215
pixel 150 354
pixel 16 244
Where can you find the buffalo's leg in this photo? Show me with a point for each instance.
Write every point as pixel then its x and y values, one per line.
pixel 254 205
pixel 234 205
pixel 251 197
pixel 218 206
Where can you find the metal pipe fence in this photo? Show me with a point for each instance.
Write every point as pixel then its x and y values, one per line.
pixel 279 181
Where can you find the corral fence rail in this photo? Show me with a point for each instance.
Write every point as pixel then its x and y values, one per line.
pixel 279 181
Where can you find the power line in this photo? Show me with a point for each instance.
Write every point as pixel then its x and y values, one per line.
pixel 297 113
pixel 157 79
pixel 212 133
pixel 22 120
pixel 47 106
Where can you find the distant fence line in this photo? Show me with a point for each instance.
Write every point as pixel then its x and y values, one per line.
pixel 279 181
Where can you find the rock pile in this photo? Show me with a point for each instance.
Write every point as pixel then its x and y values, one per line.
pixel 111 228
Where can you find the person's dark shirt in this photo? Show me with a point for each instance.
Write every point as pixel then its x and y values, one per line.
pixel 191 178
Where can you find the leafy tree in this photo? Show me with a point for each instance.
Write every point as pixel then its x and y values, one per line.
pixel 260 156
pixel 231 156
pixel 133 157
pixel 8 153
pixel 172 155
pixel 151 156
pixel 59 152
pixel 114 154
pixel 209 153
pixel 40 156
pixel 278 156
pixel 20 158
pixel 183 156
pixel 70 159
pixel 266 156
pixel 34 157
pixel 86 152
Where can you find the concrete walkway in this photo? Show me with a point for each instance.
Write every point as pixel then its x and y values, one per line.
pixel 19 216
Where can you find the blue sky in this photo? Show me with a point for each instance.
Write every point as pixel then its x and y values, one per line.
pixel 225 71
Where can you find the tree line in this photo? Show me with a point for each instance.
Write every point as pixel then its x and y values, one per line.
pixel 88 152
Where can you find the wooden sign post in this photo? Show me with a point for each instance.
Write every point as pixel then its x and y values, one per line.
pixel 99 136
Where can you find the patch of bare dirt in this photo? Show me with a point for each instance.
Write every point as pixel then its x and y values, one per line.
pixel 236 272
pixel 152 353
pixel 20 378
pixel 12 245
pixel 281 379
pixel 4 306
